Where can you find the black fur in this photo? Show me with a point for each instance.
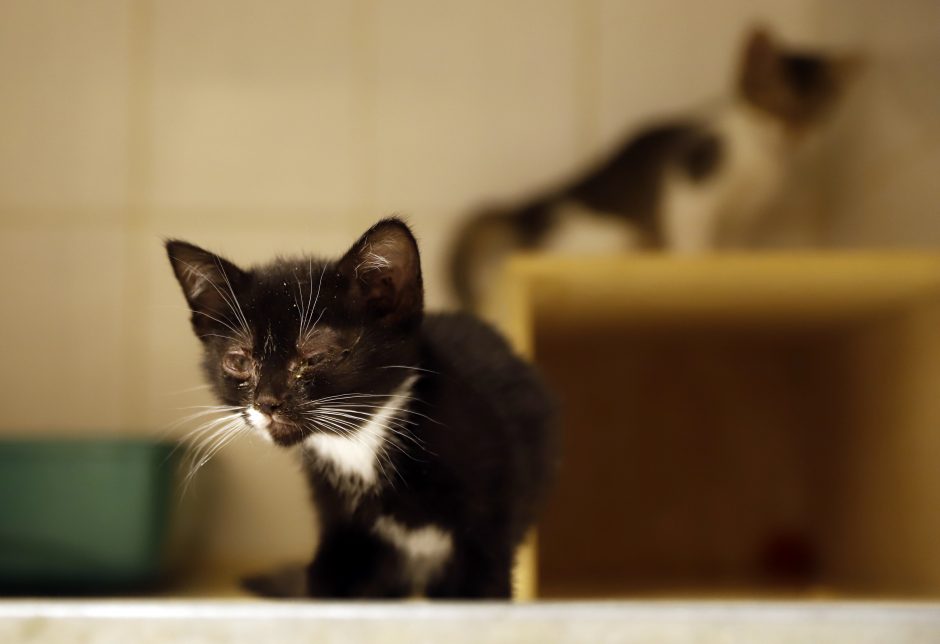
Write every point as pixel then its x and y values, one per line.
pixel 480 448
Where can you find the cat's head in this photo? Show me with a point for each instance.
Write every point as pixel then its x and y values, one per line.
pixel 798 87
pixel 282 340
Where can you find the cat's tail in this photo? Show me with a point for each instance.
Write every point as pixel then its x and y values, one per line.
pixel 486 239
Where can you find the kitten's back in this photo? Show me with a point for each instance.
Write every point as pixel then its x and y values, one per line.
pixel 480 368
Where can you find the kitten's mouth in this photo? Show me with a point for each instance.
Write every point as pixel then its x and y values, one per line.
pixel 277 428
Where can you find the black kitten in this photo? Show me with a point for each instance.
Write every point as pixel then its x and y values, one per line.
pixel 427 444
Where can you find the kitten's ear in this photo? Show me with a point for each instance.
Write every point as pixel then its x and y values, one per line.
pixel 383 273
pixel 210 284
pixel 759 58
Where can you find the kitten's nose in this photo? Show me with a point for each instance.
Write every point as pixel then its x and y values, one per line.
pixel 267 404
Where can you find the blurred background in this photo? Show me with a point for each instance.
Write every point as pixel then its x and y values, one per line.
pixel 256 128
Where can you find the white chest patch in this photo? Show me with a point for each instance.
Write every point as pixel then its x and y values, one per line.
pixel 425 550
pixel 353 461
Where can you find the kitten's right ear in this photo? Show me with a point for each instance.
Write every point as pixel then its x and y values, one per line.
pixel 210 284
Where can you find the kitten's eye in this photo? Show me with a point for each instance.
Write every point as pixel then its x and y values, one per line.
pixel 237 364
pixel 303 366
pixel 314 359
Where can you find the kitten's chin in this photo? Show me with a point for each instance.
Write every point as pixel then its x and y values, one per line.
pixel 285 434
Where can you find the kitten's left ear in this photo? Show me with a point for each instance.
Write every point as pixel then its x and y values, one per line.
pixel 383 273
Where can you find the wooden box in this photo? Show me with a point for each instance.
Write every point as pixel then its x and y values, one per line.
pixel 743 425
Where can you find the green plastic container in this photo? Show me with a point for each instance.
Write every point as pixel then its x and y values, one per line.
pixel 83 515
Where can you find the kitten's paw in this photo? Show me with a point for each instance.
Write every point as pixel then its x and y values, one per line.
pixel 287 582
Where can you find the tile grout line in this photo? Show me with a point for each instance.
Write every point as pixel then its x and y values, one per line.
pixel 135 351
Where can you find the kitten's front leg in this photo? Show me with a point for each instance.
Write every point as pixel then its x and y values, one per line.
pixel 347 565
pixel 476 572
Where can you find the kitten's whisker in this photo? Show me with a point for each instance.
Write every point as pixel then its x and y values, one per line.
pixel 310 294
pixel 392 424
pixel 186 391
pixel 313 328
pixel 354 408
pixel 213 433
pixel 350 431
pixel 306 321
pixel 205 453
pixel 301 309
pixel 346 429
pixel 218 335
pixel 389 444
pixel 188 439
pixel 399 432
pixel 322 424
pixel 233 433
pixel 353 394
pixel 189 417
pixel 419 414
pixel 317 298
pixel 316 404
pixel 206 427
pixel 239 313
pixel 404 366
pixel 306 312
pixel 357 438
pixel 199 414
pixel 238 334
pixel 359 395
pixel 241 321
pixel 199 435
pixel 393 394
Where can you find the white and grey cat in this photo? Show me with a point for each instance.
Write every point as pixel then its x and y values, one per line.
pixel 686 186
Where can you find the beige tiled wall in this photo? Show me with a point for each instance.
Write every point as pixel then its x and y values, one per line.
pixel 286 126
pixel 885 157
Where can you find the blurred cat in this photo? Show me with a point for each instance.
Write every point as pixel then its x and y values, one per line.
pixel 427 443
pixel 686 186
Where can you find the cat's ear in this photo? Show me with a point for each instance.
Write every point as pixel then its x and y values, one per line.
pixel 210 284
pixel 759 60
pixel 383 273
